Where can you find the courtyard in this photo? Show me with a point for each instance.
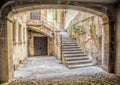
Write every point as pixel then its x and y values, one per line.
pixel 46 70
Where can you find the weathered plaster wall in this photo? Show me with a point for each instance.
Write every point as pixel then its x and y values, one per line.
pixel 117 65
pixel 19 39
pixel 60 19
pixel 19 54
pixel 87 31
pixel 50 46
pixel 81 16
pixel 69 16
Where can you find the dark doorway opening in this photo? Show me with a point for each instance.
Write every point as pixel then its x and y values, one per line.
pixel 40 46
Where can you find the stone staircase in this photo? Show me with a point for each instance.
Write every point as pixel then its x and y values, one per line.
pixel 73 55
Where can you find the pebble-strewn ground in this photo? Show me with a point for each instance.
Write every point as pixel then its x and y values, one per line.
pixel 47 71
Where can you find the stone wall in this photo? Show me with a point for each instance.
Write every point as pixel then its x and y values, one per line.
pixel 31 43
pixel 86 29
pixel 6 67
pixel 117 64
pixel 50 46
pixel 19 39
pixel 69 16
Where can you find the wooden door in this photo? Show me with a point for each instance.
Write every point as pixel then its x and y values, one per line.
pixel 40 46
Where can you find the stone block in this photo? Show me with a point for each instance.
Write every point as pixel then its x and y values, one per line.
pixel 4 66
pixel 3 30
pixel 3 43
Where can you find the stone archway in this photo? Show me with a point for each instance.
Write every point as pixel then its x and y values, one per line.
pixel 13 7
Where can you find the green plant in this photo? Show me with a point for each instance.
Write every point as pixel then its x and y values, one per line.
pixel 92 25
pixel 78 29
pixel 73 27
pixel 81 30
pixel 98 36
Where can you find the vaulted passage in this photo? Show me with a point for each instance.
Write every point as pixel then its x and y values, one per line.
pixel 58 43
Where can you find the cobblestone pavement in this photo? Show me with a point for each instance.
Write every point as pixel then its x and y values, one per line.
pixel 47 71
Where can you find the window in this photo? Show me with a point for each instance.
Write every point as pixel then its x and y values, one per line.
pixel 35 15
pixel 19 34
pixel 14 32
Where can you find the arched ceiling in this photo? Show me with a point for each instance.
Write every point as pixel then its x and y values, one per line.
pixel 23 5
pixel 86 1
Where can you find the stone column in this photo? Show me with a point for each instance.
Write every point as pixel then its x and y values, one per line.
pixel 117 64
pixel 60 19
pixel 6 66
pixel 16 33
pixel 106 46
pixel 25 31
pixel 22 34
pixel 31 46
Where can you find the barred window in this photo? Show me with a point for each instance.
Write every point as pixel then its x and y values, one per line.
pixel 35 15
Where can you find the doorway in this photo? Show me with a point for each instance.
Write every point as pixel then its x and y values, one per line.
pixel 40 46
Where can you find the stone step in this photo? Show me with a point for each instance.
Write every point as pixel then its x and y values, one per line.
pixel 73 44
pixel 78 62
pixel 76 58
pixel 67 39
pixel 80 65
pixel 68 43
pixel 75 55
pixel 69 47
pixel 72 52
pixel 73 49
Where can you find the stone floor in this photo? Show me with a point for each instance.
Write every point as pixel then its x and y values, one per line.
pixel 47 71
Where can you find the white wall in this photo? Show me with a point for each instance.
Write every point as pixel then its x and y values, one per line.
pixel 69 16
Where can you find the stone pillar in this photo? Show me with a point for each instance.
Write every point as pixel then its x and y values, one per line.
pixel 117 64
pixel 6 66
pixel 22 34
pixel 16 33
pixel 60 19
pixel 31 46
pixel 105 43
